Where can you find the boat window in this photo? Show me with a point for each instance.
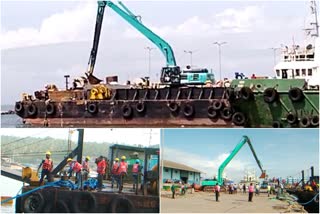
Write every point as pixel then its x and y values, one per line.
pixel 309 72
pixel 310 56
pixel 297 72
pixel 302 56
pixel 284 74
pixel 303 72
pixel 278 72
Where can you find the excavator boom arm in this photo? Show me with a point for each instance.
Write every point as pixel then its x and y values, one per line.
pixel 244 140
pixel 154 38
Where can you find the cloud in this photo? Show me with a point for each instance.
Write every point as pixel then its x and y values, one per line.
pixel 67 26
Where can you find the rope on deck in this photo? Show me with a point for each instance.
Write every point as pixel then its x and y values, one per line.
pixel 59 183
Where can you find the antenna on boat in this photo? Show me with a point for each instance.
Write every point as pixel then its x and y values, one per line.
pixel 313 31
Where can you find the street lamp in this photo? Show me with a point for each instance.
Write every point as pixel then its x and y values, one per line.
pixel 190 52
pixel 219 47
pixel 149 65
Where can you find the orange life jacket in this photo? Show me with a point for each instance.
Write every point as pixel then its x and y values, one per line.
pixel 85 165
pixel 101 167
pixel 115 168
pixel 47 164
pixel 135 168
pixel 77 167
pixel 123 167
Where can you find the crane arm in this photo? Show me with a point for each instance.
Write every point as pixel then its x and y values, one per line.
pixel 243 141
pixel 154 38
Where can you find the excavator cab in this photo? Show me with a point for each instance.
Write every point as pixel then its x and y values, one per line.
pixel 171 75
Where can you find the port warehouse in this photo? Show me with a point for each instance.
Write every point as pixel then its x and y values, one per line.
pixel 176 171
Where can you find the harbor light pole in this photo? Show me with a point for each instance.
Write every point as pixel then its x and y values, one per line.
pixel 149 64
pixel 190 52
pixel 219 47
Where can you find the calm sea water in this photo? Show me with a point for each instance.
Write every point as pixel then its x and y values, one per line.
pixel 10 120
pixel 9 187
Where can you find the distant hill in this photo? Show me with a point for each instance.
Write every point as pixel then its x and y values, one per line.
pixel 32 150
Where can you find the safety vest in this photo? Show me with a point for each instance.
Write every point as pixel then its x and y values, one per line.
pixel 115 168
pixel 251 188
pixel 77 167
pixel 101 167
pixel 85 165
pixel 47 164
pixel 135 168
pixel 123 167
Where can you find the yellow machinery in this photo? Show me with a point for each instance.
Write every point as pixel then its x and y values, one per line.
pixel 29 175
pixel 100 92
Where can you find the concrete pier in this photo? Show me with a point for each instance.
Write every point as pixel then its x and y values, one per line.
pixel 203 202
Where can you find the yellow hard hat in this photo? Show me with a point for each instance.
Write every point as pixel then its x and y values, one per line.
pixel 88 157
pixel 69 159
pixel 117 159
pixel 48 153
pixel 123 157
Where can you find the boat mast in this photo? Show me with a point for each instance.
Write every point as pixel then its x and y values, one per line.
pixel 315 23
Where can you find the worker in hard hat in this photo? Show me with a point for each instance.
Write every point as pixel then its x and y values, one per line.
pixel 122 171
pixel 136 171
pixel 101 170
pixel 85 168
pixel 114 172
pixel 47 166
pixel 76 167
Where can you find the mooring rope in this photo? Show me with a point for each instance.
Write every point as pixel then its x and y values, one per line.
pixel 314 198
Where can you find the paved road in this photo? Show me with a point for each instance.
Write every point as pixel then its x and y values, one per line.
pixel 235 203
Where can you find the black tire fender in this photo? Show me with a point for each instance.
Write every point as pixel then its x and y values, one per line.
pixel 84 202
pixel 18 107
pixel 212 113
pixel 217 105
pixel 50 109
pixel 92 108
pixel 173 107
pixel 59 207
pixel 188 110
pixel 292 118
pixel 34 203
pixel 230 93
pixel 314 121
pixel 304 122
pixel 276 124
pixel 141 107
pixel 121 205
pixel 295 94
pixel 239 119
pixel 32 109
pixel 246 93
pixel 226 113
pixel 270 95
pixel 126 111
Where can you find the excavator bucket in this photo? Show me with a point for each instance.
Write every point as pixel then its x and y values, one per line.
pixel 93 80
pixel 263 174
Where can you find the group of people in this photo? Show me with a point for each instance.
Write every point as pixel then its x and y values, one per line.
pixel 118 171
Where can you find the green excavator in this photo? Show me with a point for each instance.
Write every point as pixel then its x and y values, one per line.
pixel 171 74
pixel 209 184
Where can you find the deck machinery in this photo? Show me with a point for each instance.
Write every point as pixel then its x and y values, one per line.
pixel 174 102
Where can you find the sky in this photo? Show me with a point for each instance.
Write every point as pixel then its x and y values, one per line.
pixel 282 152
pixel 141 136
pixel 41 41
